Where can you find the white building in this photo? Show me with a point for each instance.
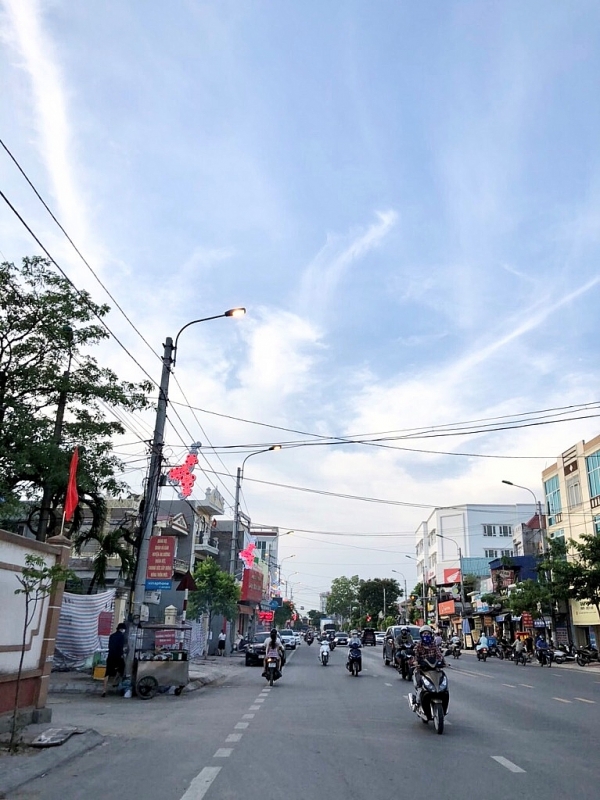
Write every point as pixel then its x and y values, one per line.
pixel 465 531
pixel 266 540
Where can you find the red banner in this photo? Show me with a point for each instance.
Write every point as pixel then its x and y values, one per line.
pixel 527 619
pixel 451 575
pixel 105 623
pixel 252 586
pixel 164 638
pixel 160 558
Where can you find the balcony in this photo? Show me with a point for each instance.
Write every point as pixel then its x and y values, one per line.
pixel 180 566
pixel 213 503
pixel 204 544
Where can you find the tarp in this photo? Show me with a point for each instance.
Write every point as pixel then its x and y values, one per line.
pixel 466 626
pixel 77 638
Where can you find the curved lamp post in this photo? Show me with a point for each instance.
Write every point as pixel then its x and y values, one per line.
pixel 462 582
pixel 405 593
pixel 151 493
pixel 538 509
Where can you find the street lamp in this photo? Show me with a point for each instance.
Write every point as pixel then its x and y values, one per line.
pixel 423 594
pixel 279 566
pixel 236 508
pixel 538 508
pixel 405 593
pixel 462 582
pixel 151 493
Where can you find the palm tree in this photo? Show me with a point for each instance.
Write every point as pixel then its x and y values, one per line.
pixel 110 544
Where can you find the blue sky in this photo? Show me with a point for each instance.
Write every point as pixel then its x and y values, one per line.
pixel 406 197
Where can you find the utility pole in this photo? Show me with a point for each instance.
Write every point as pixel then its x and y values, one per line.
pixel 234 527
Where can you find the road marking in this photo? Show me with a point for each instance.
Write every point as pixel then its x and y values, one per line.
pixel 583 700
pixel 248 716
pixel 241 726
pixel 223 752
pixel 260 700
pixel 510 685
pixel 561 700
pixel 508 764
pixel 201 783
pixel 254 708
pixel 234 737
pixel 389 684
pixel 527 685
pixel 474 674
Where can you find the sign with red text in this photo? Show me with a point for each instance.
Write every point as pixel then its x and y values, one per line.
pixel 165 638
pixel 252 586
pixel 266 616
pixel 160 562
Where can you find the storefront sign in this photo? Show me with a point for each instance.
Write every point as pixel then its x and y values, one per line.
pixel 452 576
pixel 503 578
pixel 488 621
pixel 584 613
pixel 160 562
pixel 446 609
pixel 252 585
pixel 527 619
pixel 165 638
pixel 266 616
pixel 105 623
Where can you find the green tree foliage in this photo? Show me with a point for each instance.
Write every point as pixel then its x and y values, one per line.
pixel 284 614
pixel 371 596
pixel 315 617
pixel 575 570
pixel 217 592
pixel 37 580
pixel 531 596
pixel 110 544
pixel 343 596
pixel 47 330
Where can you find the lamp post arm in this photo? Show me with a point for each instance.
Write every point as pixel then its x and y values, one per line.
pixel 187 325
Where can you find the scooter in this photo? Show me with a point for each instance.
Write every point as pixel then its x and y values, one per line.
pixel 564 653
pixel 309 640
pixel 544 656
pixel 455 651
pixel 482 654
pixel 585 655
pixel 324 654
pixel 402 661
pixel 354 662
pixel 271 671
pixel 431 698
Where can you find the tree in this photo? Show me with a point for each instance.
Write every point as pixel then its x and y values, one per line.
pixel 343 596
pixel 37 580
pixel 577 577
pixel 315 617
pixel 217 592
pixel 284 614
pixel 374 594
pixel 110 544
pixel 53 394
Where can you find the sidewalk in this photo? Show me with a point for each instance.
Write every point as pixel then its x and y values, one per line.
pixel 30 763
pixel 594 666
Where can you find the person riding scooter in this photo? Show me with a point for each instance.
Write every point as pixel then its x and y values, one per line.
pixel 274 649
pixel 426 654
pixel 324 650
pixel 354 652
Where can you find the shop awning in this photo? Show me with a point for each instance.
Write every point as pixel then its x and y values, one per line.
pixel 501 618
pixel 242 609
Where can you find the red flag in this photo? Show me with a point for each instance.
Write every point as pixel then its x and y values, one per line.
pixel 72 498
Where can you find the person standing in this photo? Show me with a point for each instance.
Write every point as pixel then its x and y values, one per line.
pixel 221 644
pixel 115 661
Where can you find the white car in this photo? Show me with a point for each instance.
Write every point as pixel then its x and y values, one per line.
pixel 298 636
pixel 288 639
pixel 380 637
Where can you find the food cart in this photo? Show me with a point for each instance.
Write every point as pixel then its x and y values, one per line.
pixel 161 658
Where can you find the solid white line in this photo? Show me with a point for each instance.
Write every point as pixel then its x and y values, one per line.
pixel 510 685
pixel 234 737
pixel 526 685
pixel 201 783
pixel 583 700
pixel 561 700
pixel 223 752
pixel 508 764
pixel 241 726
pixel 254 708
pixel 248 716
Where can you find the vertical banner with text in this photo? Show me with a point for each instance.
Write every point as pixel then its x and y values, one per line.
pixel 159 573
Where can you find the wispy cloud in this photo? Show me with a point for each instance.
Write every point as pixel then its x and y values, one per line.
pixel 38 59
pixel 328 268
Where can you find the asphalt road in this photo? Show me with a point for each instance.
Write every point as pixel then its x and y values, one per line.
pixel 321 733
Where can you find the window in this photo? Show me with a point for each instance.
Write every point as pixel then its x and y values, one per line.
pixel 552 490
pixel 497 530
pixel 491 554
pixel 573 493
pixel 558 535
pixel 506 552
pixel 593 470
pixel 596 524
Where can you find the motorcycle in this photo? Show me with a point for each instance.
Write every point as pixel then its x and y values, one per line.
pixel 482 654
pixel 496 651
pixel 309 640
pixel 564 653
pixel 402 658
pixel 271 671
pixel 332 644
pixel 430 702
pixel 354 662
pixel 455 650
pixel 544 656
pixel 324 656
pixel 585 655
pixel 521 658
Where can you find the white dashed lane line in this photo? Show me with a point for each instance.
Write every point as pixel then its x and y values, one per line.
pixel 510 685
pixel 254 708
pixel 508 764
pixel 241 726
pixel 248 716
pixel 223 752
pixel 234 737
pixel 561 700
pixel 526 685
pixel 389 684
pixel 583 700
pixel 201 783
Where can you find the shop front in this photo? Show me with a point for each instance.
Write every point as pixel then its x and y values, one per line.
pixel 250 599
pixel 586 623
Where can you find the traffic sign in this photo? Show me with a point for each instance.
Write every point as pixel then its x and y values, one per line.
pixel 273 604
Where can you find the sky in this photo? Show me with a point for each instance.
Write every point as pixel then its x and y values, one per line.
pixel 405 197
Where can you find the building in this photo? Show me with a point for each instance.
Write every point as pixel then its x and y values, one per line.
pixel 572 493
pixel 266 539
pixel 323 598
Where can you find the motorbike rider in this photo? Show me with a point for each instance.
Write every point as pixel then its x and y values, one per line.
pixel 355 645
pixel 542 649
pixel 273 649
pixel 518 647
pixel 324 648
pixel 425 653
pixel 403 641
pixel 483 642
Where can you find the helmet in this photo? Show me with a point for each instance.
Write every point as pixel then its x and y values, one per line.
pixel 404 629
pixel 426 634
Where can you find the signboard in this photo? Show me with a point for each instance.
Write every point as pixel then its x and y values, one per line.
pixel 165 638
pixel 274 604
pixel 452 575
pixel 252 586
pixel 447 608
pixel 527 619
pixel 266 616
pixel 160 562
pixel 105 623
pixel 503 578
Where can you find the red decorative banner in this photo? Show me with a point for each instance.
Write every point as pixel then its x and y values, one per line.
pixel 451 575
pixel 164 638
pixel 105 623
pixel 160 558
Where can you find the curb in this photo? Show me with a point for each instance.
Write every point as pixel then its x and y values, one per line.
pixel 91 689
pixel 13 775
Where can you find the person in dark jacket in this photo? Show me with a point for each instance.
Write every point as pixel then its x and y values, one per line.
pixel 115 662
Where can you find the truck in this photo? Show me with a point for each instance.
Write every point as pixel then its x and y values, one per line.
pixel 327 625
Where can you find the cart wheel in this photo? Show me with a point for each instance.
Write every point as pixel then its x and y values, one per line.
pixel 146 687
pixel 178 690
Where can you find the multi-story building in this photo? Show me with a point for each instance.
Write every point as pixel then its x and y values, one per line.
pixel 454 533
pixel 572 492
pixel 323 598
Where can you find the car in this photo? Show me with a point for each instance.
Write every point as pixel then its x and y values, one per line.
pixel 255 650
pixel 298 636
pixel 341 639
pixel 368 637
pixel 389 645
pixel 379 637
pixel 288 639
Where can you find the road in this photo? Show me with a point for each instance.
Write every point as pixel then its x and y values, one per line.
pixel 321 733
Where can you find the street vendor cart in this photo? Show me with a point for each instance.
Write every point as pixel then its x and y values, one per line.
pixel 161 658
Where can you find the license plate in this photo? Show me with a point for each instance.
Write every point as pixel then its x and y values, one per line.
pixel 271 666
